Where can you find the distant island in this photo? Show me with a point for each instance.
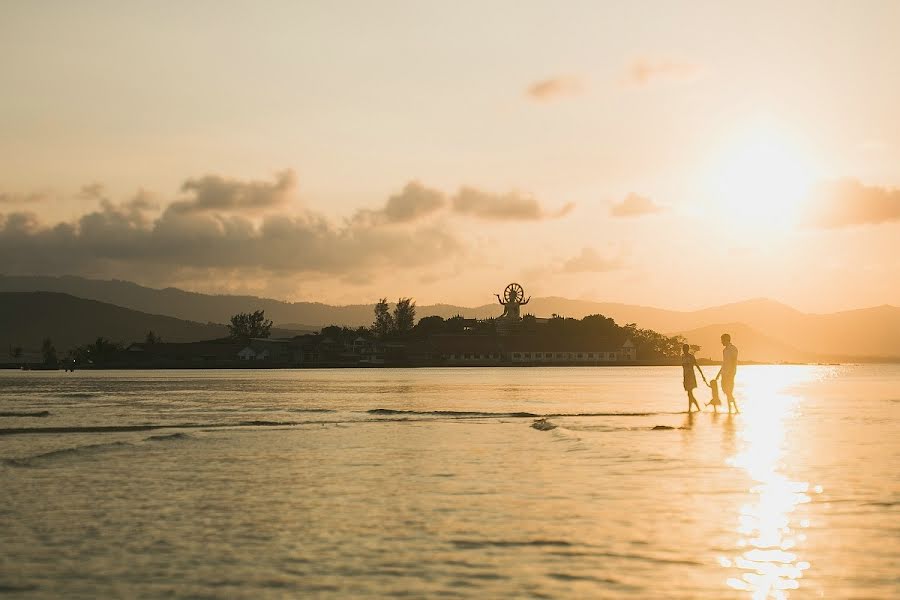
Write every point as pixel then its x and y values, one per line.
pixel 83 328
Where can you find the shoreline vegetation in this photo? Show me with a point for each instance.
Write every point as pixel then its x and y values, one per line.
pixel 275 366
pixel 394 340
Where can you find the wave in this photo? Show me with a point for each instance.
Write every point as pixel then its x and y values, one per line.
pixel 169 437
pixel 78 395
pixel 569 577
pixel 477 544
pixel 38 459
pixel 37 413
pixel 450 413
pixel 312 410
pixel 522 415
pixel 639 557
pixel 131 428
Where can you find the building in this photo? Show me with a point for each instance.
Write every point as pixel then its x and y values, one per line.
pixel 461 349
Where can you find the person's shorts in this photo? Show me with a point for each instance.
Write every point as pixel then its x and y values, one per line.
pixel 728 385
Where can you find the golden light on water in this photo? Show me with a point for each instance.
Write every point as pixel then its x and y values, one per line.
pixel 769 533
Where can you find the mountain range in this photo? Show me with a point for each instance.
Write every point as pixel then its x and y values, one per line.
pixel 762 328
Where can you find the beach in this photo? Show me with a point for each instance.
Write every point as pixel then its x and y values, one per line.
pixel 434 483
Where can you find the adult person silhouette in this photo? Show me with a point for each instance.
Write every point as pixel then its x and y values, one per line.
pixel 728 370
pixel 688 362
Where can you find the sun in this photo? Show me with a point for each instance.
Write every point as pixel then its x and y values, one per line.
pixel 760 180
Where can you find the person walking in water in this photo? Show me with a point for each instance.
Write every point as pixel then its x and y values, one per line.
pixel 728 370
pixel 688 362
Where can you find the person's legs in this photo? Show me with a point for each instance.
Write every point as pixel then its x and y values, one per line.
pixel 728 388
pixel 692 401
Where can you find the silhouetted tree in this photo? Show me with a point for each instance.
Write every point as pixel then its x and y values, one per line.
pixel 384 321
pixel 48 351
pixel 404 315
pixel 455 324
pixel 429 325
pixel 250 325
pixel 100 352
pixel 652 344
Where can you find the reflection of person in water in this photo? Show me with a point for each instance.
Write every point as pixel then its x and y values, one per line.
pixel 728 370
pixel 688 362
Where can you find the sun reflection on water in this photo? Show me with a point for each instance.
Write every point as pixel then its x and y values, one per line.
pixel 769 531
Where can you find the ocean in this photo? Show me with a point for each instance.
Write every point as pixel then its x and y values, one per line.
pixel 433 483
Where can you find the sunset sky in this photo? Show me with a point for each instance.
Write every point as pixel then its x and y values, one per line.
pixel 669 154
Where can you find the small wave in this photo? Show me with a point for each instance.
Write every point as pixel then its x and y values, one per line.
pixel 591 578
pixel 11 588
pixel 476 544
pixel 638 557
pixel 130 428
pixel 79 395
pixel 450 413
pixel 882 504
pixel 37 413
pixel 38 459
pixel 169 437
pixel 312 410
pixel 522 415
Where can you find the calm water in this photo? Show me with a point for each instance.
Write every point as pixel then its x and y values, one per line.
pixel 432 483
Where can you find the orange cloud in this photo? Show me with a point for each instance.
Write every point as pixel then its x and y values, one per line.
pixel 590 261
pixel 634 206
pixel 554 88
pixel 645 71
pixel 502 207
pixel 848 202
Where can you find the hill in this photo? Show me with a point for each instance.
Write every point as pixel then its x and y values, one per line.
pixel 753 345
pixel 27 318
pixel 857 333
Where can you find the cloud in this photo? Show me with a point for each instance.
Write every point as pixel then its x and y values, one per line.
pixel 590 261
pixel 215 193
pixel 124 239
pixel 645 71
pixel 22 198
pixel 848 202
pixel 634 206
pixel 502 207
pixel 554 88
pixel 413 203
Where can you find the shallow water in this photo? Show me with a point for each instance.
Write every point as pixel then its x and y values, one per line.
pixel 433 483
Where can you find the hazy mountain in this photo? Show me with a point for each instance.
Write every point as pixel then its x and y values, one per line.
pixel 753 345
pixel 26 318
pixel 865 332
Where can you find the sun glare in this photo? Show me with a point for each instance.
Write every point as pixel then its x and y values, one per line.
pixel 760 180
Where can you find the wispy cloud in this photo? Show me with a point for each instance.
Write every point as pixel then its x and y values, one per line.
pixel 645 71
pixel 215 193
pixel 848 202
pixel 23 198
pixel 412 203
pixel 512 206
pixel 591 261
pixel 634 205
pixel 555 88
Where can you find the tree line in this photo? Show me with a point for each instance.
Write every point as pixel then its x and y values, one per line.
pixel 400 323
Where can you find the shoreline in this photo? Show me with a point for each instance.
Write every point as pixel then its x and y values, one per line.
pixel 336 366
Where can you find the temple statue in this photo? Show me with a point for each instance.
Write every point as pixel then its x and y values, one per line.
pixel 513 298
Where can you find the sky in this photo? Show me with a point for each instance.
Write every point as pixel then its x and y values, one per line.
pixel 671 154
